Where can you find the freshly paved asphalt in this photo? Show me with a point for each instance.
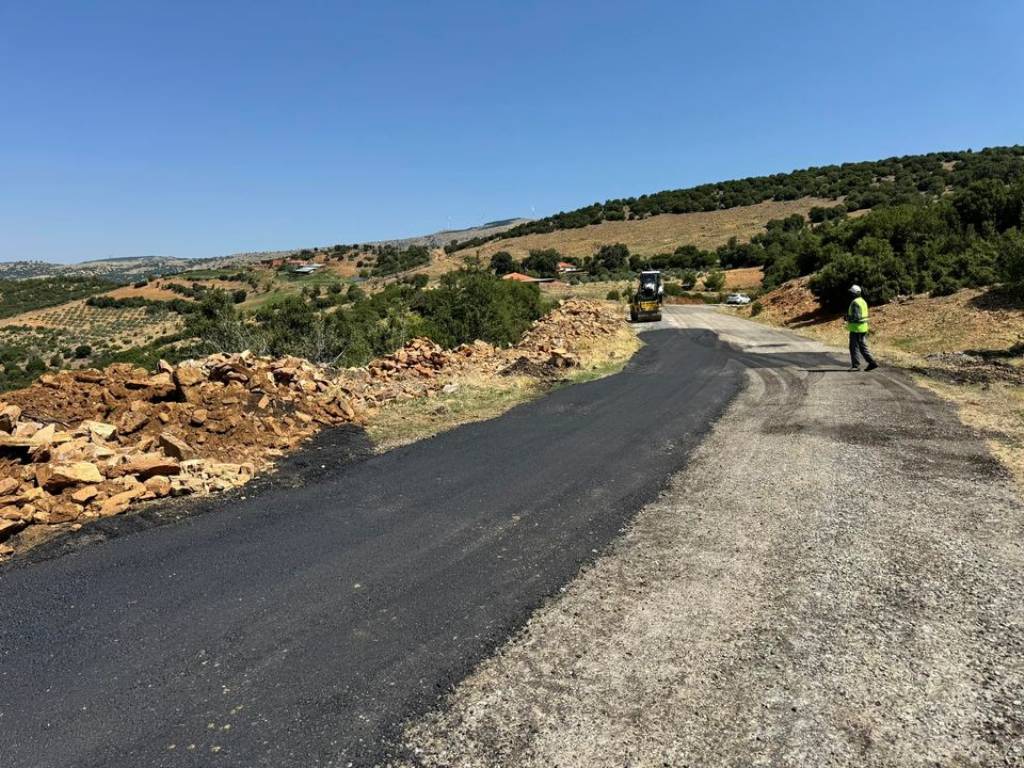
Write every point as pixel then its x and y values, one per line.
pixel 300 627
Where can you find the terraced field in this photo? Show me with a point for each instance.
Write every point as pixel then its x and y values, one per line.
pixel 75 323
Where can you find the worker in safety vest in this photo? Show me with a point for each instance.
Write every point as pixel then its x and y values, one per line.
pixel 857 325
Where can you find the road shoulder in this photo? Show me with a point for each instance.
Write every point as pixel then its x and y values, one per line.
pixel 833 580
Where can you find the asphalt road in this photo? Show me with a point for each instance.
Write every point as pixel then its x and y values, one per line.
pixel 303 626
pixel 833 580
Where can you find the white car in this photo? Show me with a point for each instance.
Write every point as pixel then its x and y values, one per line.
pixel 737 298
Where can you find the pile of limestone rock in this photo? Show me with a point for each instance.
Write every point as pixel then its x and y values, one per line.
pixel 85 444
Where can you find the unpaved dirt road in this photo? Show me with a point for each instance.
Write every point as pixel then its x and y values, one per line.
pixel 835 579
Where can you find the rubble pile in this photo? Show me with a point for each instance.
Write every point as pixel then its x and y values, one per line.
pixel 86 444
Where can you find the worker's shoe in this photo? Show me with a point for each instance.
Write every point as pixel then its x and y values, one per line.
pixel 871 366
pixel 854 368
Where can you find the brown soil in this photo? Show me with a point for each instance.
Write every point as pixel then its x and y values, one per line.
pixel 745 278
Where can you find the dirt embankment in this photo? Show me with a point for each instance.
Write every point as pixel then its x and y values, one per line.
pixel 87 444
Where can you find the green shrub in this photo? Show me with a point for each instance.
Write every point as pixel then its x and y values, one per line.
pixel 542 262
pixel 472 305
pixel 714 280
pixel 756 309
pixel 502 263
pixel 613 295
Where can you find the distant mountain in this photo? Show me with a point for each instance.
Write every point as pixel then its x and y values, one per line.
pixel 127 269
pixel 119 270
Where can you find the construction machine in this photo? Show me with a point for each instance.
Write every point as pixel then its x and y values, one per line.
pixel 646 302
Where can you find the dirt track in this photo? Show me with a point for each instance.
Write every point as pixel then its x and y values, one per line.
pixel 835 579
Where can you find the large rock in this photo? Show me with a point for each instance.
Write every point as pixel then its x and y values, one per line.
pixel 85 494
pixel 8 485
pixel 9 527
pixel 119 502
pixel 100 429
pixel 188 375
pixel 9 416
pixel 146 465
pixel 54 477
pixel 175 447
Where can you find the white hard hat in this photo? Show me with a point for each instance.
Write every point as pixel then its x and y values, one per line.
pixel 855 289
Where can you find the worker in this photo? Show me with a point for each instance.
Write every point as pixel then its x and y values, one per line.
pixel 857 325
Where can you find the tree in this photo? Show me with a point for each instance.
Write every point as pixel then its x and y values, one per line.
pixel 82 351
pixel 543 262
pixel 502 263
pixel 472 305
pixel 239 295
pixel 611 258
pixel 714 280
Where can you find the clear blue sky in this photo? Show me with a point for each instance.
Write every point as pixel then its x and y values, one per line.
pixel 204 128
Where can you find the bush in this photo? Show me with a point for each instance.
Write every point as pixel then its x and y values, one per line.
pixel 82 351
pixel 472 305
pixel 355 293
pixel 756 309
pixel 881 276
pixel 714 280
pixel 613 295
pixel 239 296
pixel 502 263
pixel 543 262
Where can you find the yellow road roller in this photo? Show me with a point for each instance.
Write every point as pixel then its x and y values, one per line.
pixel 646 301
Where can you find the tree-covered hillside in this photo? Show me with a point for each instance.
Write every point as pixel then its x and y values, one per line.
pixel 862 185
pixel 17 296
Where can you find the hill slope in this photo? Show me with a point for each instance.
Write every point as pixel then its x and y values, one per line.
pixel 656 234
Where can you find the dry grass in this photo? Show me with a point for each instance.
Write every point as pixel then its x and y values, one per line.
pixel 995 410
pixel 971 319
pixel 151 291
pixel 487 395
pixel 657 234
pixel 749 278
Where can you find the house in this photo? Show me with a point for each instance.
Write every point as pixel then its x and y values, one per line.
pixel 305 268
pixel 566 268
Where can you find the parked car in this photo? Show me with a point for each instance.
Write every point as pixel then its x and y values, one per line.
pixel 737 298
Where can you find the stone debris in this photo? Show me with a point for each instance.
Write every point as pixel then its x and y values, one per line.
pixel 86 444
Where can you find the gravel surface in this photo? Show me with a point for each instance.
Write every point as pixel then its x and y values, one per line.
pixel 835 579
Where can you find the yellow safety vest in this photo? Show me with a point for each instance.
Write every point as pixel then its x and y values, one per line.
pixel 857 316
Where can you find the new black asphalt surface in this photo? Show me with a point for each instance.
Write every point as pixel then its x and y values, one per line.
pixel 302 626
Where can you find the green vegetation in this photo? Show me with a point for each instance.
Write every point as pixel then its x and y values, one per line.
pixel 17 296
pixel 468 305
pixel 714 280
pixel 893 181
pixel 391 260
pixel 180 306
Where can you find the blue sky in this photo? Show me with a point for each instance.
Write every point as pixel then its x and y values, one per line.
pixel 205 128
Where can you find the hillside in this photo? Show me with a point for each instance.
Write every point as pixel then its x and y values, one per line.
pixel 131 268
pixel 861 185
pixel 657 234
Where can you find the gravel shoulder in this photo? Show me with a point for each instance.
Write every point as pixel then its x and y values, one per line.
pixel 835 578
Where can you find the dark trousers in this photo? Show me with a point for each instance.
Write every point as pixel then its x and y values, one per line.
pixel 859 344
